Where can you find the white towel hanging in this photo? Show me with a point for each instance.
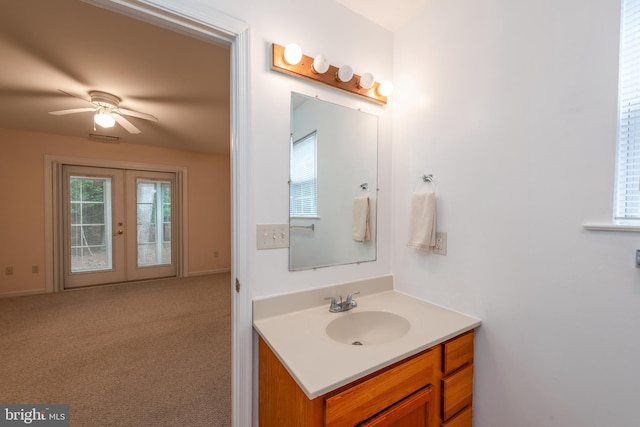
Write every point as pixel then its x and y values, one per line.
pixel 422 221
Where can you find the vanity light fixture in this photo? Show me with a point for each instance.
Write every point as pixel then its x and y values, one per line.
pixel 318 69
pixel 292 54
pixel 320 65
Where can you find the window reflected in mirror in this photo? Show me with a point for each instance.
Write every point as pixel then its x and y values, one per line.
pixel 303 194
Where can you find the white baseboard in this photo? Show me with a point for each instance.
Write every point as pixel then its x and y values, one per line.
pixel 205 272
pixel 22 293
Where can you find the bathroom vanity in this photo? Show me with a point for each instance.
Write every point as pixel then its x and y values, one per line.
pixel 363 367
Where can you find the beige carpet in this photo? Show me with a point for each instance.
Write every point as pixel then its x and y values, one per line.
pixel 146 354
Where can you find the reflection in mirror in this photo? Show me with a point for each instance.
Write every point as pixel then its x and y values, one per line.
pixel 333 182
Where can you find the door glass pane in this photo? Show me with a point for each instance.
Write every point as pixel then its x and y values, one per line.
pixel 90 223
pixel 153 222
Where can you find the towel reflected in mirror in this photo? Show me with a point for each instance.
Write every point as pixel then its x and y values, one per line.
pixel 361 214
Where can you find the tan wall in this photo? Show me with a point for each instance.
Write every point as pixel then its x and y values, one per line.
pixel 22 210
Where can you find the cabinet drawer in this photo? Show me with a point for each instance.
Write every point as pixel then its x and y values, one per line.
pixel 367 398
pixel 463 419
pixel 457 391
pixel 412 411
pixel 457 352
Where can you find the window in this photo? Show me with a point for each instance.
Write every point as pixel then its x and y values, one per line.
pixel 90 219
pixel 303 199
pixel 627 192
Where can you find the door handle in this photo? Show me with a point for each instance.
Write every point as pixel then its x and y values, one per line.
pixel 119 232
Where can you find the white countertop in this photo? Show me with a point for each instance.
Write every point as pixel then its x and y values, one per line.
pixel 319 364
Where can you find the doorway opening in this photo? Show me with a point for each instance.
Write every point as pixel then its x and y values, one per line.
pixel 217 27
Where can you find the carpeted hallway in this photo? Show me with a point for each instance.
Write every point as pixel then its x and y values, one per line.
pixel 146 354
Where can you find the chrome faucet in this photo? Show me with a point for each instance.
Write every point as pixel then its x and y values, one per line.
pixel 348 304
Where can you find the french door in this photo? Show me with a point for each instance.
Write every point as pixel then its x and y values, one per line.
pixel 118 225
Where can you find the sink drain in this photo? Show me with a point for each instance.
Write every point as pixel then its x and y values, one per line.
pixel 356 343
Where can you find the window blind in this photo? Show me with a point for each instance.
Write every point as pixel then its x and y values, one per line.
pixel 303 191
pixel 627 199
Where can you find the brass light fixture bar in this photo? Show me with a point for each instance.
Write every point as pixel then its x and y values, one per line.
pixel 304 69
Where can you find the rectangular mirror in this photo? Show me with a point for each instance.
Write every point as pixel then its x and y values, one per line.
pixel 332 184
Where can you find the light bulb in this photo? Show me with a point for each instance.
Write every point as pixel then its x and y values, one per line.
pixel 292 54
pixel 344 74
pixel 320 65
pixel 104 119
pixel 366 81
pixel 385 88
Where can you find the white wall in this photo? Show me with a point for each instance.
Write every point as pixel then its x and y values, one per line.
pixel 512 106
pixel 345 38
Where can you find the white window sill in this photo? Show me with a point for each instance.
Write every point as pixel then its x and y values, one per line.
pixel 612 227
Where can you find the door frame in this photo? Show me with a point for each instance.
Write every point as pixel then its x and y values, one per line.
pixel 54 180
pixel 213 25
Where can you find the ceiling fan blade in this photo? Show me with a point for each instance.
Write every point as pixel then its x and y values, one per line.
pixel 75 96
pixel 72 111
pixel 125 123
pixel 137 114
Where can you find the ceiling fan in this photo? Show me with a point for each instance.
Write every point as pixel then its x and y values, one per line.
pixel 107 111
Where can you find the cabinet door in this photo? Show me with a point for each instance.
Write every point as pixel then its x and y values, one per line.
pixel 412 411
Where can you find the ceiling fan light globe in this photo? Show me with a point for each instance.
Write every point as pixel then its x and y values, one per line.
pixel 104 120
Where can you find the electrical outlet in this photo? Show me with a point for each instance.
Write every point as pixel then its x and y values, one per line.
pixel 272 236
pixel 8 271
pixel 441 244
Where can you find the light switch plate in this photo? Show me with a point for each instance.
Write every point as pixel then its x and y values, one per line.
pixel 272 236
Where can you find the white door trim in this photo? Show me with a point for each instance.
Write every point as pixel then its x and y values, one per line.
pixel 204 21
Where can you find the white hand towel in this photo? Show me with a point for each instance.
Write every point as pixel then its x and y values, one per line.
pixel 422 221
pixel 360 226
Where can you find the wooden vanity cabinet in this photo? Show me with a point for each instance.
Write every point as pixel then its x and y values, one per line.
pixel 429 389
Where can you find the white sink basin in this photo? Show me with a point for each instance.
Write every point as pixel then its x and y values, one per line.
pixel 367 327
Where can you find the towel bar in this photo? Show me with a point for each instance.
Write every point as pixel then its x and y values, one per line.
pixel 426 178
pixel 311 227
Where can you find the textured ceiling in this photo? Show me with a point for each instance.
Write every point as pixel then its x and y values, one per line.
pixel 47 46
